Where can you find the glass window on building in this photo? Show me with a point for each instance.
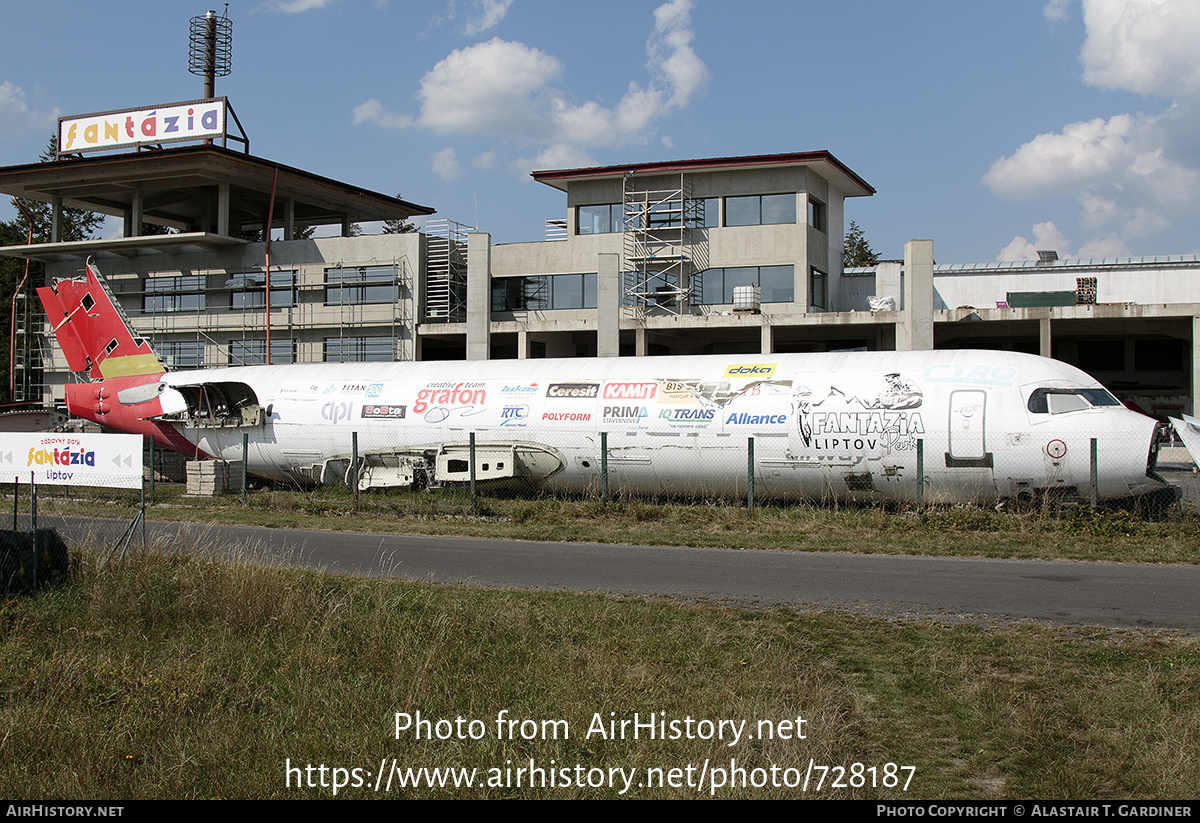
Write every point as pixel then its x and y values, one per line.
pixel 356 285
pixel 818 216
pixel 171 294
pixel 181 354
pixel 253 352
pixel 760 210
pixel 547 291
pixel 359 349
pixel 248 289
pixel 818 297
pixel 716 285
pixel 604 219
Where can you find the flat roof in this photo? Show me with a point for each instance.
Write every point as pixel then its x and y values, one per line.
pixel 179 186
pixel 854 185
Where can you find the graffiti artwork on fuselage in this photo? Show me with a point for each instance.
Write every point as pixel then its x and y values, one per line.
pixel 861 419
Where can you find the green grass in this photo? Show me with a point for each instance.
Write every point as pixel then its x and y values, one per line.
pixel 180 677
pixel 1080 533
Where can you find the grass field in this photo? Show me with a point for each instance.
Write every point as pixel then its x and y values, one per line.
pixel 175 676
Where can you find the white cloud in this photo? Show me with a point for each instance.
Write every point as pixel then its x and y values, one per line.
pixel 1056 9
pixel 1109 245
pixel 16 117
pixel 372 111
pixel 294 6
pixel 1129 172
pixel 1145 46
pixel 490 13
pixel 486 160
pixel 445 165
pixel 1046 237
pixel 505 89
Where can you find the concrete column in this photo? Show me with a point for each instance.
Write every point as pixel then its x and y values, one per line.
pixel 916 326
pixel 135 216
pixel 639 341
pixel 608 306
pixel 479 296
pixel 768 336
pixel 522 345
pixel 289 218
pixel 223 208
pixel 346 223
pixel 1195 366
pixel 56 210
pixel 1045 346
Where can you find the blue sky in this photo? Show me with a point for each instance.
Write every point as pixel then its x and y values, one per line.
pixel 994 128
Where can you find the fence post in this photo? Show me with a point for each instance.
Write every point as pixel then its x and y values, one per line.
pixel 32 503
pixel 472 457
pixel 604 466
pixel 151 468
pixel 16 491
pixel 921 472
pixel 1095 475
pixel 354 466
pixel 749 476
pixel 245 449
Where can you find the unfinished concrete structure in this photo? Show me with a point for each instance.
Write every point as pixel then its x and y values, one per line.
pixel 720 256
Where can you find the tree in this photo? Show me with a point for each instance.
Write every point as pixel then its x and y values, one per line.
pixel 856 251
pixel 77 224
pixel 398 226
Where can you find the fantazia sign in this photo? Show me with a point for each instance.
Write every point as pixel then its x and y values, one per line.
pixel 195 120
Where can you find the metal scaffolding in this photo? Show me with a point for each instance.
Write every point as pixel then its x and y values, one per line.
pixel 658 228
pixel 446 272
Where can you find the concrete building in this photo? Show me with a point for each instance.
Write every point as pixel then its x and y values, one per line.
pixel 716 256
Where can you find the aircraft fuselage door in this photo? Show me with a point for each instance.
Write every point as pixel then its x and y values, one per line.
pixel 968 439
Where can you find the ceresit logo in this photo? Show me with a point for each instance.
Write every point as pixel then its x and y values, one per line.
pixel 629 391
pixel 573 390
pixel 751 370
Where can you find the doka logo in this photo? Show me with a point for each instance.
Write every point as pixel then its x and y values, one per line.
pixel 751 370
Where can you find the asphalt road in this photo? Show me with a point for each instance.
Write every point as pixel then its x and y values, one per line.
pixel 1071 593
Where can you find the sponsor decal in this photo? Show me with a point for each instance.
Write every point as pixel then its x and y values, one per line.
pixel 381 411
pixel 974 374
pixel 677 391
pixel 630 391
pixel 689 415
pixel 449 394
pixel 625 414
pixel 580 391
pixel 336 412
pixel 885 414
pixel 575 417
pixel 759 370
pixel 514 416
pixel 60 457
pixel 743 419
pixel 374 389
pixel 129 127
pixel 519 388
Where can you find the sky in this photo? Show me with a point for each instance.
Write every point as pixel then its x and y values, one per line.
pixel 995 128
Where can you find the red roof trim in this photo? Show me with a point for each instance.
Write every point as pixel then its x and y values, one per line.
pixel 706 164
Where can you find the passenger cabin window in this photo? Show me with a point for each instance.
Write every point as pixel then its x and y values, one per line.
pixel 1059 401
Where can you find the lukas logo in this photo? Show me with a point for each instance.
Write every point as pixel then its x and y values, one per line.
pixel 751 370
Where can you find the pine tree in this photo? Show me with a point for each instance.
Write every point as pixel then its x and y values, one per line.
pixel 856 251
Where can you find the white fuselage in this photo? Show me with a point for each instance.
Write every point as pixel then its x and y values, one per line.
pixel 847 426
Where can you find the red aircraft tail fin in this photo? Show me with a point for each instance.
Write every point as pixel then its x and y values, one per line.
pixel 93 331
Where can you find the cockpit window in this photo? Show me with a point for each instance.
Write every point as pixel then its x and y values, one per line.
pixel 1058 401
